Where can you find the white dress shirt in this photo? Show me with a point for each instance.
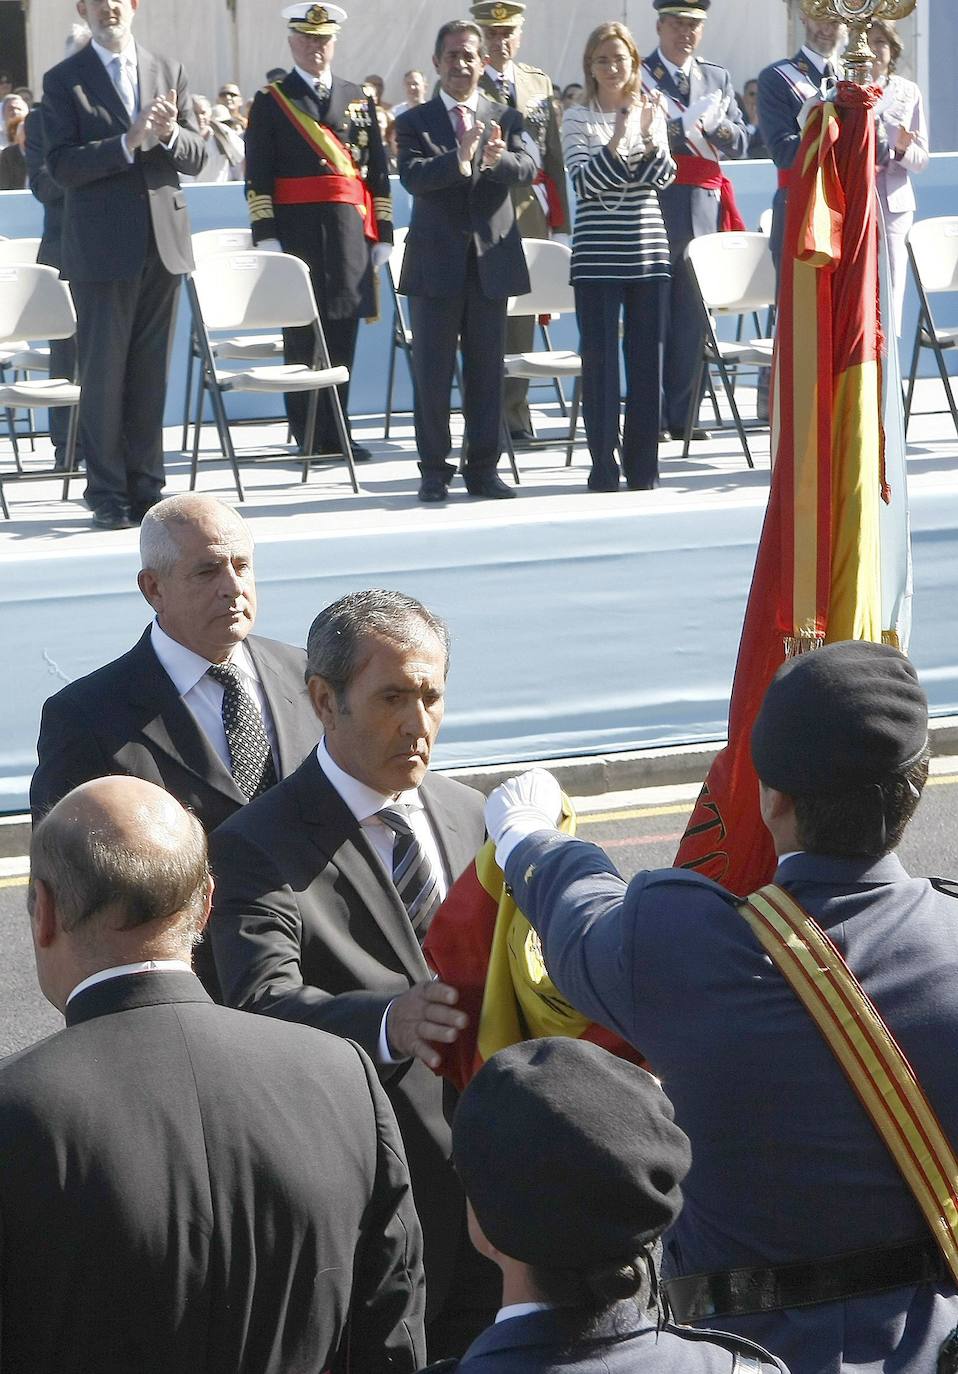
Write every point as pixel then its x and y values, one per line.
pixel 365 803
pixel 520 1309
pixel 203 697
pixel 121 971
pixel 469 110
pixel 321 84
pixel 132 66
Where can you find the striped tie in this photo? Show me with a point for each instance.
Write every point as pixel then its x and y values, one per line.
pixel 413 874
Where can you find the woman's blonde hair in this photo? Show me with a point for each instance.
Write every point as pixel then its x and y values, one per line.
pixel 595 39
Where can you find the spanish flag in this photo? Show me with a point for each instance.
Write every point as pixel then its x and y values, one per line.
pixel 480 943
pixel 819 570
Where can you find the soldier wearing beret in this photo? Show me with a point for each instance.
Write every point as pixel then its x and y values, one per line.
pixel 317 186
pixel 798 1230
pixel 572 1161
pixel 705 125
pixel 542 209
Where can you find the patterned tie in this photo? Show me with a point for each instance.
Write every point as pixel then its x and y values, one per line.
pixel 413 874
pixel 251 760
pixel 682 85
pixel 506 92
pixel 458 113
pixel 322 99
pixel 124 84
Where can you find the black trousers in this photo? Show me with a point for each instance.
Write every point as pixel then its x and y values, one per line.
pixel 684 341
pixel 298 348
pixel 123 338
pixel 439 324
pixel 599 306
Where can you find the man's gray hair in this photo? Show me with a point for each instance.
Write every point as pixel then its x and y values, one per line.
pixel 334 646
pixel 453 28
pixel 89 868
pixel 159 551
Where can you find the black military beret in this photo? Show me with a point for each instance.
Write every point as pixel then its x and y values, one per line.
pixel 840 717
pixel 568 1155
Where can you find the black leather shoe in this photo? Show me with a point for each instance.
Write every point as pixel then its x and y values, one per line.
pixel 491 486
pixel 361 454
pixel 664 436
pixel 432 490
pixel 521 438
pixel 596 483
pixel 112 517
pixel 698 436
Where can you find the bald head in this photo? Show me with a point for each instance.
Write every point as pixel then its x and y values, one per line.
pixel 119 855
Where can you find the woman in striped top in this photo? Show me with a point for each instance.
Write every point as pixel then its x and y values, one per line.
pixel 616 152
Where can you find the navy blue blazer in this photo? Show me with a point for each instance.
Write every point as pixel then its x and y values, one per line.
pixel 624 1342
pixel 111 204
pixel 785 1163
pixel 689 211
pixel 452 213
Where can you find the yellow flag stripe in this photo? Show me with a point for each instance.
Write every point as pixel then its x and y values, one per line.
pixel 869 1056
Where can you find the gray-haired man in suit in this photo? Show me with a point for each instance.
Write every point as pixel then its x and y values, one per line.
pixel 119 127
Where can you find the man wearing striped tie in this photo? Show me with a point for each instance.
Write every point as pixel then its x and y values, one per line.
pixel 325 891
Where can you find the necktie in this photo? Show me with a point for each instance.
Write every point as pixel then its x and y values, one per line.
pixel 412 872
pixel 682 85
pixel 322 97
pixel 505 91
pixel 124 84
pixel 251 761
pixel 459 121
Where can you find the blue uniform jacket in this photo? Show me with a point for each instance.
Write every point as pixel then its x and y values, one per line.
pixel 624 1342
pixel 785 1163
pixel 689 211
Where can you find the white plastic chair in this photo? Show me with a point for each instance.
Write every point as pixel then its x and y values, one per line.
pixel 35 303
pixel 550 293
pixel 765 222
pixel 735 275
pixel 256 291
pixel 19 252
pixel 933 253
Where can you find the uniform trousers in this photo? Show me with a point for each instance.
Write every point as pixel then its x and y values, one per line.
pixel 684 341
pixel 440 324
pixel 123 339
pixel 642 305
pixel 298 345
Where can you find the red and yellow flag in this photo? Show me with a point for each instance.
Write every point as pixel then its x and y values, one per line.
pixel 817 574
pixel 480 942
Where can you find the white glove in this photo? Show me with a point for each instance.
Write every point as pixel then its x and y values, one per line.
pixel 564 239
pixel 812 103
pixel 713 116
pixel 700 110
pixel 382 252
pixel 269 246
pixel 520 807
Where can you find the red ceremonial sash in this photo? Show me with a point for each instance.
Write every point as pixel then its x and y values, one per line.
pixel 707 174
pixel 555 216
pixel 343 169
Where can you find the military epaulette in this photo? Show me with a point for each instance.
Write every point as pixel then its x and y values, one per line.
pixel 260 206
pixel 533 71
pixel 947 886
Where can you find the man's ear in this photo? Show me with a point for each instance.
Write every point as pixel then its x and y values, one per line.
pixel 43 915
pixel 149 585
pixel 323 697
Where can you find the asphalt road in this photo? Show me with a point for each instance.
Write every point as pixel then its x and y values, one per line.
pixel 639 830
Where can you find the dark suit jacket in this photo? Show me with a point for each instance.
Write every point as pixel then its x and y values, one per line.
pixel 329 237
pixel 112 204
pixel 186 1190
pixel 127 717
pixel 623 1342
pixel 308 926
pixel 452 213
pixel 45 189
pixel 786 1165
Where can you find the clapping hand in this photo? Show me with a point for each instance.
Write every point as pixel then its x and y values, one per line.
pixel 158 121
pixel 470 141
pixel 495 147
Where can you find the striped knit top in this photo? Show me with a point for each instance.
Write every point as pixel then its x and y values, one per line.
pixel 619 231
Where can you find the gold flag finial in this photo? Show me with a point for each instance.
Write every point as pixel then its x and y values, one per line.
pixel 858 15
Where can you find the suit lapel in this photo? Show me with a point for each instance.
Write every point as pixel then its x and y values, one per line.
pixel 456 853
pixel 438 125
pixel 336 114
pixel 302 96
pixel 99 82
pixel 335 831
pixel 148 76
pixel 171 726
pixel 285 706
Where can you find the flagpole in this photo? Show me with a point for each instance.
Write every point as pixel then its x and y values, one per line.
pixel 858 15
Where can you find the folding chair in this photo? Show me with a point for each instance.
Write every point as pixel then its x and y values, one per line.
pixel 17 356
pixel 401 338
pixel 933 253
pixel 551 294
pixel 36 304
pixel 257 291
pixel 735 275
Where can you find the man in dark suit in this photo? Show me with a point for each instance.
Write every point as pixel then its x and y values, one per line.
pixel 460 155
pixel 705 125
pixel 325 888
pixel 572 1161
pixel 156 712
pixel 818 1221
pixel 119 127
pixel 317 184
pixel 185 1188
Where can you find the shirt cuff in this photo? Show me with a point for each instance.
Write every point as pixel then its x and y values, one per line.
pixel 126 151
pixel 465 168
pixel 384 1051
pixel 173 137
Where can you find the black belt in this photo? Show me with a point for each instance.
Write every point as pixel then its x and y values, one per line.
pixel 739 1292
